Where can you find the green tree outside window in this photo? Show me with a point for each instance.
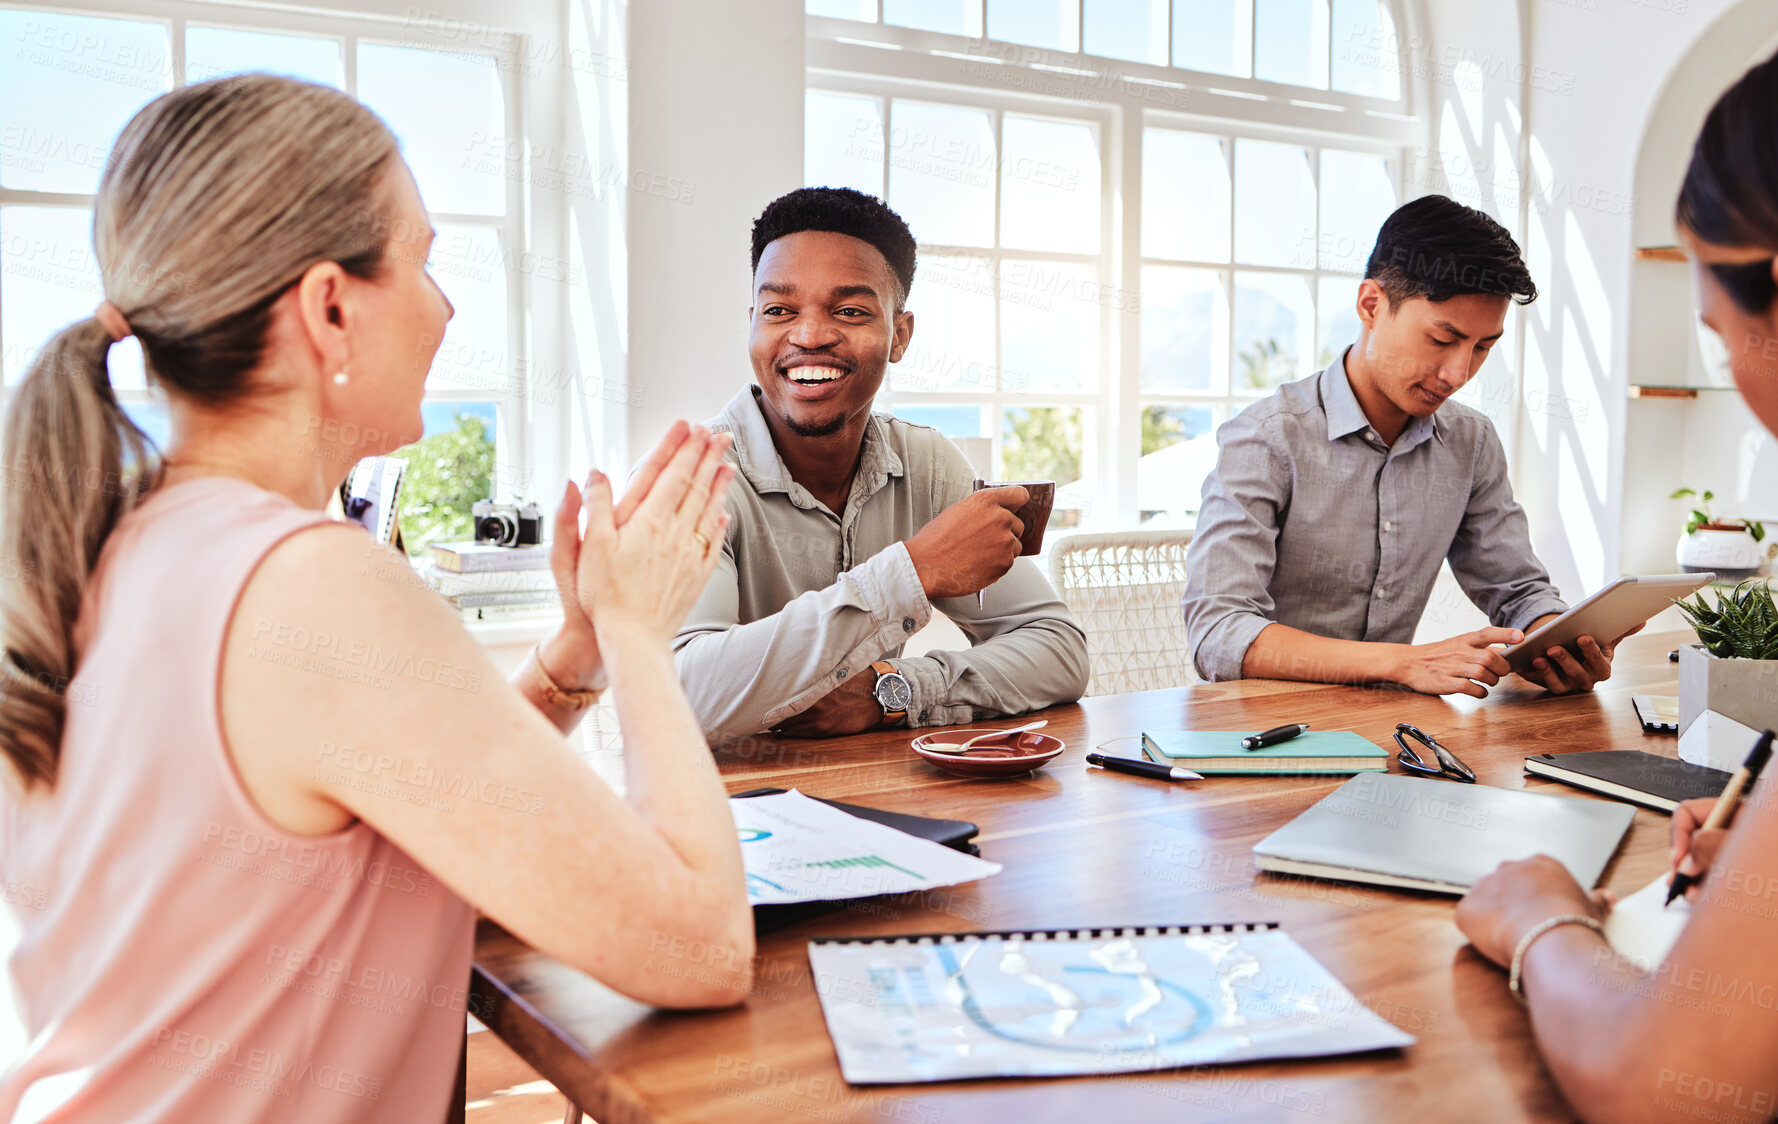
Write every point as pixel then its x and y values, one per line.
pixel 1161 427
pixel 446 474
pixel 1043 443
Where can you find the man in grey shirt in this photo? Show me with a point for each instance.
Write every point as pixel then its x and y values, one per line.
pixel 1334 500
pixel 848 528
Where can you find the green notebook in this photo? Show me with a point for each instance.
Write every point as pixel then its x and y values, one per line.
pixel 1219 751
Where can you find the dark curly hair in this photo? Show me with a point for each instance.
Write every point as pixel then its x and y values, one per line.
pixel 1437 248
pixel 842 211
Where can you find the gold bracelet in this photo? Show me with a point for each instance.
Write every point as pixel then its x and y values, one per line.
pixel 555 693
pixel 1538 930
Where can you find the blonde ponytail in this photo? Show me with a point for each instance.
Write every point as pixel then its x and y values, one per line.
pixel 75 463
pixel 217 198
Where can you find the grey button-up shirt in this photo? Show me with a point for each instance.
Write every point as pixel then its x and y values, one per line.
pixel 1311 521
pixel 803 598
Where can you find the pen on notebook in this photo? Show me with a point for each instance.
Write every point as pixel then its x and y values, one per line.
pixel 1143 768
pixel 1726 804
pixel 1273 736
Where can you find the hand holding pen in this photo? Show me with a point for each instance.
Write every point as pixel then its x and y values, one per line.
pixel 1693 850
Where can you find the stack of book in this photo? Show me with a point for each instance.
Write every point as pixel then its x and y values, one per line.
pixel 495 583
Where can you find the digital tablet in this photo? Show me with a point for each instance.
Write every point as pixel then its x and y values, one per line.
pixel 1606 615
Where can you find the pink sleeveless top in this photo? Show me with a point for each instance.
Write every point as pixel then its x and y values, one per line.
pixel 178 957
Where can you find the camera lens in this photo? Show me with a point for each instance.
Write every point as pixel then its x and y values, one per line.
pixel 498 528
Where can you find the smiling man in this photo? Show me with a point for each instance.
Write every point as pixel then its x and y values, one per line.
pixel 848 527
pixel 1334 500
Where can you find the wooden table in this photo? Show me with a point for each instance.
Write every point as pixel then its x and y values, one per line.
pixel 1083 847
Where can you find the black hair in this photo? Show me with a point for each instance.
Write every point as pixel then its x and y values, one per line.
pixel 1437 248
pixel 842 211
pixel 1730 193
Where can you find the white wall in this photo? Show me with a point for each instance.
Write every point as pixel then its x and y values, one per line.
pixel 716 101
pixel 1713 441
pixel 587 426
pixel 1592 138
pixel 1541 120
pixel 1463 57
pixel 657 131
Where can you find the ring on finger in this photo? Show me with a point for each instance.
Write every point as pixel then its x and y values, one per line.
pixel 703 539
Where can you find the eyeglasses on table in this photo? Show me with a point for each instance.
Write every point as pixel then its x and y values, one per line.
pixel 1450 766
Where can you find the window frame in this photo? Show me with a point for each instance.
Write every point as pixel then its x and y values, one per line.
pixel 849 56
pixel 1223 397
pixel 876 34
pixel 1096 403
pixel 514 413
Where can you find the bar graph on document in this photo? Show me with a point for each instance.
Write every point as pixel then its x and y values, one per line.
pixel 865 862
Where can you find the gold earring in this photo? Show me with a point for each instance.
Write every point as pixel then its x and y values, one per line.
pixel 340 376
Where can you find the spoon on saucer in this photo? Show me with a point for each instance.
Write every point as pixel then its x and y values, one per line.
pixel 963 747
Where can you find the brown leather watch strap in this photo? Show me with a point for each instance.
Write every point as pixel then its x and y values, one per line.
pixel 882 668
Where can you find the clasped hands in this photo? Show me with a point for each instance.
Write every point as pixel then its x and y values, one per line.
pixel 643 559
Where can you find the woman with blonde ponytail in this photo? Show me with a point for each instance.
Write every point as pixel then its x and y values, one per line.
pixel 257 778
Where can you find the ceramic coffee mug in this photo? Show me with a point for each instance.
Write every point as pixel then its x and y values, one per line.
pixel 1035 515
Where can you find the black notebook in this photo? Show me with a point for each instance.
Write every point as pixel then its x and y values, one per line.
pixel 955 834
pixel 1648 779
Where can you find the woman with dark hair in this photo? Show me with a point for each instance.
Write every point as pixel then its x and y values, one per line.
pixel 256 777
pixel 1697 1038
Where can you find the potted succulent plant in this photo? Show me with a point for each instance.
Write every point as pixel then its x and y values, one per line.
pixel 1728 682
pixel 1729 547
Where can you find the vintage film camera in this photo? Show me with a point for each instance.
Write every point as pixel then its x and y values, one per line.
pixel 506 524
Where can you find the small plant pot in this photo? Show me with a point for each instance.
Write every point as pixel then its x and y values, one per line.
pixel 1745 692
pixel 1730 552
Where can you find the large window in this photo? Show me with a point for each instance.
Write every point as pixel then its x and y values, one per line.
pixel 1251 256
pixel 1344 45
pixel 70 82
pixel 1011 295
pixel 1106 273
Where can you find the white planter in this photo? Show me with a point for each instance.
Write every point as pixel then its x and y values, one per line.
pixel 1731 554
pixel 1723 704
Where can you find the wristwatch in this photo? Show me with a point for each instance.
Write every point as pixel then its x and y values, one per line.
pixel 892 692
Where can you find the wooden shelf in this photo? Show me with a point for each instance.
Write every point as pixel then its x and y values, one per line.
pixel 1663 392
pixel 1660 253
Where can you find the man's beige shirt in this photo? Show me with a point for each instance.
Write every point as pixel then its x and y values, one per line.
pixel 804 597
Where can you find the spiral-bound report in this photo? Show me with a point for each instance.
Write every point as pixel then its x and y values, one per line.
pixel 1057 1002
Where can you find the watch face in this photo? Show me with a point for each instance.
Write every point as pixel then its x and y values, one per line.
pixel 893 692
